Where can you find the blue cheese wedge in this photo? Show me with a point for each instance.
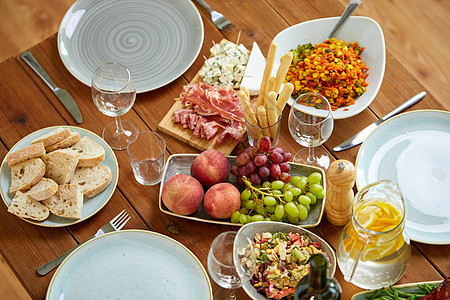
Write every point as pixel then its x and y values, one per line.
pixel 226 66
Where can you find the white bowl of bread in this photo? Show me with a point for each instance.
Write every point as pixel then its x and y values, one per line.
pixel 54 172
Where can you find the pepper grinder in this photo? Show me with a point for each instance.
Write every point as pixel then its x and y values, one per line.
pixel 341 178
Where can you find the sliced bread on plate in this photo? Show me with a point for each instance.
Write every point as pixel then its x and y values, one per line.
pixel 92 179
pixel 44 189
pixel 67 202
pixel 92 154
pixel 53 136
pixel 70 141
pixel 26 174
pixel 61 165
pixel 29 152
pixel 26 207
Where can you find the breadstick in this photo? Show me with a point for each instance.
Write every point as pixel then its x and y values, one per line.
pixel 272 114
pixel 246 108
pixel 245 89
pixel 262 117
pixel 270 88
pixel 286 61
pixel 267 72
pixel 284 97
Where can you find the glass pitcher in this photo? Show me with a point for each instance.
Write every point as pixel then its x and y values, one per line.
pixel 373 250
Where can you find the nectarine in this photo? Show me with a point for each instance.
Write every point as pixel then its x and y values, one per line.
pixel 221 200
pixel 182 194
pixel 210 167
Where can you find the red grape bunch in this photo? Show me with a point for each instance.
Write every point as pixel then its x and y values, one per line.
pixel 261 162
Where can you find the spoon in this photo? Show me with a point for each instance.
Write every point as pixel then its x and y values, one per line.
pixel 347 13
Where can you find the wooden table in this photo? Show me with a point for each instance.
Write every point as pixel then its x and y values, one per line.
pixel 27 105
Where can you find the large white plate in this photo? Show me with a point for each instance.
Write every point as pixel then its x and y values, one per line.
pixel 158 40
pixel 91 205
pixel 181 164
pixel 363 30
pixel 131 264
pixel 413 150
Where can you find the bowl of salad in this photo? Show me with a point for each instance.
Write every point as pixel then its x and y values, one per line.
pixel 282 254
pixel 347 69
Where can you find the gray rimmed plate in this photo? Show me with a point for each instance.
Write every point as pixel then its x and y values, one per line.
pixel 181 164
pixel 91 205
pixel 157 40
pixel 131 264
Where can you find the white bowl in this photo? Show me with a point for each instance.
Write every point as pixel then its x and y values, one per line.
pixel 364 30
pixel 249 230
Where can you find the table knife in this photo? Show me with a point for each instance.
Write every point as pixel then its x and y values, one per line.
pixel 62 95
pixel 363 134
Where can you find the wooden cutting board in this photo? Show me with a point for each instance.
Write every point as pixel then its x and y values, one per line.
pixel 185 135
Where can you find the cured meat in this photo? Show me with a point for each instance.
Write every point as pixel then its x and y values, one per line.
pixel 210 109
pixel 442 292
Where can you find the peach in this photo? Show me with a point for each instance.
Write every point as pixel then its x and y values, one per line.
pixel 182 194
pixel 221 200
pixel 210 167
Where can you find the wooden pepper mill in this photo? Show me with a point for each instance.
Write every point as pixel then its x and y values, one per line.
pixel 340 179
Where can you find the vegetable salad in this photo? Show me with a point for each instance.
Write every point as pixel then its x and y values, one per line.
pixel 281 262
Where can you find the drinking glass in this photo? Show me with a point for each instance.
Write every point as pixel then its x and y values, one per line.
pixel 229 267
pixel 311 128
pixel 114 94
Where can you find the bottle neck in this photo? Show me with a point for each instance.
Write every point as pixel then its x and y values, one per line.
pixel 318 272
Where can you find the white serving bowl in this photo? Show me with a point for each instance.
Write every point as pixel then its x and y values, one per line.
pixel 249 230
pixel 364 30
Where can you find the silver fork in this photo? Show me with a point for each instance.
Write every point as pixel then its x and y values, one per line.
pixel 114 225
pixel 217 18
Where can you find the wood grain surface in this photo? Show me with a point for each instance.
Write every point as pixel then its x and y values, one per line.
pixel 28 105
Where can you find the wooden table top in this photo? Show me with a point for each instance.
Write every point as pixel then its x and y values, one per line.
pixel 28 105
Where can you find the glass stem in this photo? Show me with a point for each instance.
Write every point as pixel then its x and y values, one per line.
pixel 119 128
pixel 311 158
pixel 231 295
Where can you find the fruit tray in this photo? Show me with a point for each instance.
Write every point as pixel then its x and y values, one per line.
pixel 181 164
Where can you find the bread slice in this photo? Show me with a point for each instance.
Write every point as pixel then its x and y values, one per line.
pixel 53 136
pixel 44 189
pixel 93 180
pixel 67 202
pixel 29 152
pixel 61 164
pixel 26 207
pixel 92 154
pixel 70 141
pixel 26 174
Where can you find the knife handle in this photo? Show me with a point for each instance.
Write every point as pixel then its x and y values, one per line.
pixel 405 105
pixel 33 63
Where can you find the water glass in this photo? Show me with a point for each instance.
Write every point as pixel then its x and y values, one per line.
pixel 254 132
pixel 147 155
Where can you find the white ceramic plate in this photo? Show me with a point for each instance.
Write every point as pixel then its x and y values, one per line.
pixel 157 40
pixel 407 288
pixel 364 30
pixel 91 205
pixel 413 150
pixel 181 164
pixel 131 264
pixel 251 229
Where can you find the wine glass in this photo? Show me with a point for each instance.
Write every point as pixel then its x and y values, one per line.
pixel 114 94
pixel 311 127
pixel 230 268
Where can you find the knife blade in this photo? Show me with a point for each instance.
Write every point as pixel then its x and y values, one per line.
pixel 62 94
pixel 363 134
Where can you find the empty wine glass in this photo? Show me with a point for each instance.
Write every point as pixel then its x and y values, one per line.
pixel 114 94
pixel 311 127
pixel 230 268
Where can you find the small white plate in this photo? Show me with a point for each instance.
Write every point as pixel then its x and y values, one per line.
pixel 91 205
pixel 363 30
pixel 157 40
pixel 181 164
pixel 130 264
pixel 413 150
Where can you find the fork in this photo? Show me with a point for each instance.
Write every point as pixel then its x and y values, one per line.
pixel 114 225
pixel 217 18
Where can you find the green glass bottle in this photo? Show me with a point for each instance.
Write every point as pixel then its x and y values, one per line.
pixel 317 284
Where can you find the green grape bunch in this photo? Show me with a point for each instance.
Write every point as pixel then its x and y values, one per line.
pixel 279 201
